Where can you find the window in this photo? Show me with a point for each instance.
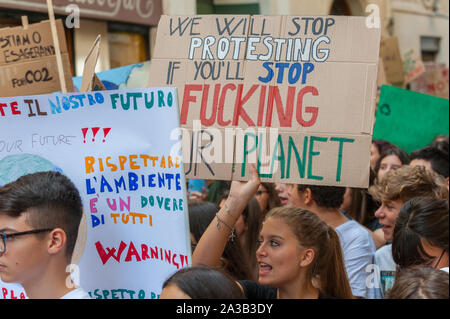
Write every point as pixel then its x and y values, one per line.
pixel 128 44
pixel 340 8
pixel 210 7
pixel 430 48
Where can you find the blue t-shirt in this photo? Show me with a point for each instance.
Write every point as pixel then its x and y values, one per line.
pixel 359 250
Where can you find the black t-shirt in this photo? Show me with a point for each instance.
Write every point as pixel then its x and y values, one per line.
pixel 254 290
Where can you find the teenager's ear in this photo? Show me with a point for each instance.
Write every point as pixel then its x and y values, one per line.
pixel 307 258
pixel 308 196
pixel 57 241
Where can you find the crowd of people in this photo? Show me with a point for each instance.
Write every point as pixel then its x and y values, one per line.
pixel 262 240
pixel 308 241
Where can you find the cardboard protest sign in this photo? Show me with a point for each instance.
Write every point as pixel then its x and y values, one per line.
pixel 435 80
pixel 28 62
pixel 279 78
pixel 116 147
pixel 392 61
pixel 408 119
pixel 412 65
pixel 89 80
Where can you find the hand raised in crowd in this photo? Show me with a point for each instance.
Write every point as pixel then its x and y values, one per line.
pixel 242 192
pixel 210 247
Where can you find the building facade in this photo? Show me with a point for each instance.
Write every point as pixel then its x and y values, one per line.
pixel 128 27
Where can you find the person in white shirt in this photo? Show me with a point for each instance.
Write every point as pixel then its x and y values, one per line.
pixel 39 218
pixel 395 188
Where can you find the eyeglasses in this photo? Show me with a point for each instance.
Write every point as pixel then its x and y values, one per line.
pixel 5 237
pixel 259 192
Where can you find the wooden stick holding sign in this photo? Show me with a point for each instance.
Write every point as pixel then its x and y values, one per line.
pixel 59 63
pixel 25 22
pixel 90 81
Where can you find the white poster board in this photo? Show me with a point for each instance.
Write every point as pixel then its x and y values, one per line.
pixel 116 148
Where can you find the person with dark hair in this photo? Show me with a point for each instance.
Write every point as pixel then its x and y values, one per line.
pixel 267 197
pixel 216 189
pixel 421 234
pixel 376 149
pixel 357 245
pixel 247 229
pixel 200 282
pixel 233 260
pixel 39 218
pixel 441 138
pixel 392 158
pixel 433 159
pixel 420 283
pixel 440 145
pixel 394 189
pixel 299 255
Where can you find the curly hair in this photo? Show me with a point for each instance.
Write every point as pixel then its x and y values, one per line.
pixel 408 182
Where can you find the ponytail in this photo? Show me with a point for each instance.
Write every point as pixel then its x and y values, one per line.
pixel 333 276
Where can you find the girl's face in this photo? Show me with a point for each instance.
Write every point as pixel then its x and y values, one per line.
pixel 262 196
pixel 388 163
pixel 279 254
pixel 374 155
pixel 282 193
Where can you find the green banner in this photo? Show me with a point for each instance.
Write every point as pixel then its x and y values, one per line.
pixel 409 119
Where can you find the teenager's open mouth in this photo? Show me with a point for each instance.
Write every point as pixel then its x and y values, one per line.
pixel 264 268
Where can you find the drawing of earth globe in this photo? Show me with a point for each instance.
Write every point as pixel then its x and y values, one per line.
pixel 14 166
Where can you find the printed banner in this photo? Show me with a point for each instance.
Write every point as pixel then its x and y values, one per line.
pixel 296 95
pixel 116 146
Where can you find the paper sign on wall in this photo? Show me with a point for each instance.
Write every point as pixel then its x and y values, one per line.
pixel 28 62
pixel 116 146
pixel 296 94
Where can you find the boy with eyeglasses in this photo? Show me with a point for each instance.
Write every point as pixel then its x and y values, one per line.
pixel 39 218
